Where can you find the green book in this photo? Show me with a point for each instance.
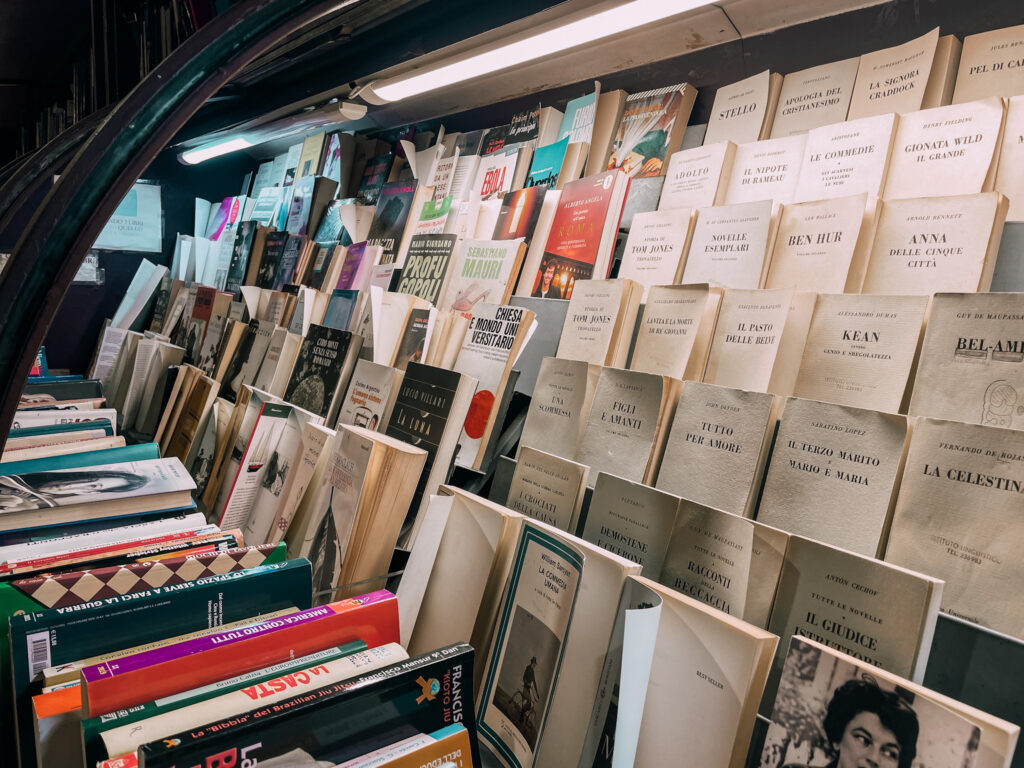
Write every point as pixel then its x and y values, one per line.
pixel 54 429
pixel 62 635
pixel 93 728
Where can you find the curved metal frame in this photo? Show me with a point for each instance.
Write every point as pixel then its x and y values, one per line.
pixel 60 233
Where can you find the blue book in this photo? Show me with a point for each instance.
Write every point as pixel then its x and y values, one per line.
pixel 125 453
pixel 547 164
pixel 341 309
pixel 578 118
pixel 54 379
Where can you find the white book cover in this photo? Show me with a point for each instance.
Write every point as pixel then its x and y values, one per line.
pixel 739 110
pixel 765 170
pixel 729 245
pixel 696 177
pixel 815 97
pixel 846 159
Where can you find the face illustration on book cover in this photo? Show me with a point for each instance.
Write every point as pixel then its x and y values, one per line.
pixel 832 712
pixel 41 490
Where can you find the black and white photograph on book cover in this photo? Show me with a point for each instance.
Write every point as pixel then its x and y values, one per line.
pixel 524 681
pixel 833 713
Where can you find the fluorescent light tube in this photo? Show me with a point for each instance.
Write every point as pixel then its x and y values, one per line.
pixel 200 154
pixel 570 35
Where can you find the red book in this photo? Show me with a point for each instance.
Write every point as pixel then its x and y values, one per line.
pixel 582 236
pixel 149 675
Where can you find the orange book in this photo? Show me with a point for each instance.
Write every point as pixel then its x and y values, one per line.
pixel 153 674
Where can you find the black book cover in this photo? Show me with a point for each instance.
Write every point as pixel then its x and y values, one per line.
pixel 420 415
pixel 519 213
pixel 414 339
pixel 338 722
pixel 271 258
pixel 229 385
pixel 80 389
pixel 390 217
pixel 318 369
pixel 289 258
pixel 244 237
pixel 426 265
pixel 375 174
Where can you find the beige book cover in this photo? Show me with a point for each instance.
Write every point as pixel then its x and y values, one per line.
pixel 717 447
pixel 729 245
pixel 847 159
pixel 834 474
pixel 632 520
pixel 655 248
pixel 747 337
pixel 599 322
pixel 548 488
pixel 741 111
pixel 791 345
pixel 952 150
pixel 766 170
pixel 628 421
pixel 883 614
pixel 709 556
pixel 560 406
pixel 823 245
pixel 957 517
pixel 697 177
pixel 815 97
pixel 1010 171
pixel 894 79
pixel 819 690
pixel 971 367
pixel 675 331
pixel 709 670
pixel 927 245
pixel 990 65
pixel 860 350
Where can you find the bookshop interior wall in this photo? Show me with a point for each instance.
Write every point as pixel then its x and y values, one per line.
pixel 569 385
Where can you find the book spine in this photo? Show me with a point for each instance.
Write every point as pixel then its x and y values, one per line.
pixel 431 692
pixel 128 738
pixel 161 672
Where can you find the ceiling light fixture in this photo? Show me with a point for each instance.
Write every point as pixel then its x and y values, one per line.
pixel 216 149
pixel 572 34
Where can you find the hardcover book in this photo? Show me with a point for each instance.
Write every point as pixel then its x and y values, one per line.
pixel 675 331
pixel 743 111
pixel 697 177
pixel 822 246
pixel 894 79
pixel 729 247
pixel 322 370
pixel 970 367
pixel 936 244
pixel 765 170
pixel 860 350
pixel 834 474
pixel 957 517
pixel 651 129
pixel 717 447
pixel 814 97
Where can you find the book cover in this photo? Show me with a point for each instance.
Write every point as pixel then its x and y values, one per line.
pixel 697 177
pixel 655 247
pixel 547 164
pixel 987 65
pixel 394 207
pixel 970 368
pixel 957 518
pixel 575 239
pixel 747 337
pixel 860 350
pixel 730 245
pixel 548 488
pixel 484 272
pixel 415 338
pixel 765 170
pixel 318 374
pixel 355 269
pixel 740 110
pixel 271 259
pixel 578 118
pixel 519 213
pixel 560 406
pixel 651 129
pixel 371 393
pixel 814 97
pixel 894 79
pixel 599 322
pixel 674 334
pixel 285 271
pixel 834 474
pixel 847 158
pixel 426 266
pixel 240 253
pixel 1009 174
pixel 375 175
pixel 717 447
pixel 494 174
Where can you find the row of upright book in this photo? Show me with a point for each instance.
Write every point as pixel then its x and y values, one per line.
pixel 755 465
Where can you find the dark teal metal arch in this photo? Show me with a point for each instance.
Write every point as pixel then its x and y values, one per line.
pixel 60 233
